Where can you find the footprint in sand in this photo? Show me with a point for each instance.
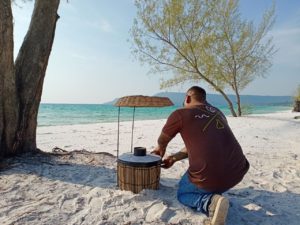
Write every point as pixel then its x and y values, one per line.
pixel 277 175
pixel 155 212
pixel 279 188
pixel 79 204
pixel 66 202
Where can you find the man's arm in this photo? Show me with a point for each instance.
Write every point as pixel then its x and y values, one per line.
pixel 182 154
pixel 170 160
pixel 170 129
pixel 162 143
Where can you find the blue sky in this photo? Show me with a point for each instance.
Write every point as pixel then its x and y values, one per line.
pixel 91 60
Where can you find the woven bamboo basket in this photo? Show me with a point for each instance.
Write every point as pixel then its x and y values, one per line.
pixel 135 179
pixel 138 171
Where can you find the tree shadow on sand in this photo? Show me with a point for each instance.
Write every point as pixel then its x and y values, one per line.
pixel 76 167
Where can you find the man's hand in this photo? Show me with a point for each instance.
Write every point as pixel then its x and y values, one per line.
pixel 168 162
pixel 159 151
pixel 156 152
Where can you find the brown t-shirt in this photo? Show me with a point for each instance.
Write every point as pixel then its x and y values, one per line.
pixel 216 158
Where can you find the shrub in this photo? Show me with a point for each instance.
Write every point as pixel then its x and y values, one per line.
pixel 297 95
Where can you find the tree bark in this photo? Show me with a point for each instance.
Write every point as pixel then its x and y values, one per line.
pixel 230 105
pixel 296 106
pixel 229 102
pixel 235 88
pixel 238 99
pixel 22 82
pixel 8 92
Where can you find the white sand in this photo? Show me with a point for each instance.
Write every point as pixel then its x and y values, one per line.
pixel 81 188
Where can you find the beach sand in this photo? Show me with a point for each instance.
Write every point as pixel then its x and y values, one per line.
pixel 80 188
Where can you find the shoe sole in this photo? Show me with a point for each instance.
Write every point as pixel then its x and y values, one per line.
pixel 221 211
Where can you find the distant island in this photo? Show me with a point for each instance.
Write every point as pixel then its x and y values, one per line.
pixel 218 100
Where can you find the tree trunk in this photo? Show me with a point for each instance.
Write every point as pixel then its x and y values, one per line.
pixel 238 99
pixel 239 104
pixel 22 83
pixel 8 94
pixel 230 105
pixel 235 88
pixel 296 106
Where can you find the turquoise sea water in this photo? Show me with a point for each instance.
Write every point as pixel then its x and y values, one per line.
pixel 68 114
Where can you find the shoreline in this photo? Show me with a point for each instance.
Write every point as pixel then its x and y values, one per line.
pixel 51 116
pixel 137 119
pixel 98 137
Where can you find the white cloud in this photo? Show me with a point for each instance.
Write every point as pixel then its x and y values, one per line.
pixel 105 26
pixel 82 57
pixel 102 25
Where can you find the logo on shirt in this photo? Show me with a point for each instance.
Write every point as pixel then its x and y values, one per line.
pixel 210 109
pixel 202 116
pixel 215 118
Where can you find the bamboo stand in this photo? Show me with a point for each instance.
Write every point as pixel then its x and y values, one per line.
pixel 138 177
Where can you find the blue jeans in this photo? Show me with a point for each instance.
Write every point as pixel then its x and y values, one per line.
pixel 192 196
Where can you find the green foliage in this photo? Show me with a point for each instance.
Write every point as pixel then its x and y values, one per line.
pixel 247 109
pixel 174 36
pixel 297 95
pixel 202 40
pixel 242 51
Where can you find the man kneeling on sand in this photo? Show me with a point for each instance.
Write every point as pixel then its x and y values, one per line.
pixel 216 160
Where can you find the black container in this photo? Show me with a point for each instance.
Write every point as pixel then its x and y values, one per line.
pixel 139 151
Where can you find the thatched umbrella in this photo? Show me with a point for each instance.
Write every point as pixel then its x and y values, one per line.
pixel 139 101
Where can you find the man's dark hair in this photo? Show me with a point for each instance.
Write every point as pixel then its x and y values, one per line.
pixel 198 93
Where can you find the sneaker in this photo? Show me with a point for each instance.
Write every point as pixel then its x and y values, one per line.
pixel 218 209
